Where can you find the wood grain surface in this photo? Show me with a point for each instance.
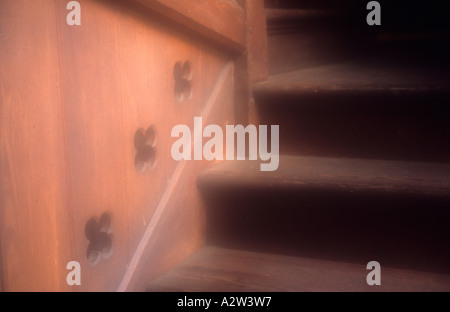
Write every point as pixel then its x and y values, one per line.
pixel 72 99
pixel 340 174
pixel 217 269
pixel 222 21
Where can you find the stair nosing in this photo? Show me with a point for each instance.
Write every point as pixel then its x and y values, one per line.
pixel 280 21
pixel 341 174
pixel 213 269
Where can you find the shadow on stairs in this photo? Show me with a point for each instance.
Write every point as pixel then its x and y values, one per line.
pixel 365 174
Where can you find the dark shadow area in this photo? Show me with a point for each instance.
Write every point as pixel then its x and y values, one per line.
pixel 369 124
pixel 402 232
pixel 333 31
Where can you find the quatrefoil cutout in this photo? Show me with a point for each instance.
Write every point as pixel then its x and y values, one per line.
pixel 145 145
pixel 99 233
pixel 182 73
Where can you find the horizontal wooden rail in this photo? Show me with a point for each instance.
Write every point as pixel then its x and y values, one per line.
pixel 221 21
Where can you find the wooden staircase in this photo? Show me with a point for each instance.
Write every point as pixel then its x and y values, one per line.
pixel 364 173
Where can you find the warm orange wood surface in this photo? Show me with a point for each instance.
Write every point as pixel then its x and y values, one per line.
pixel 72 99
pixel 251 66
pixel 184 216
pixel 36 240
pixel 222 21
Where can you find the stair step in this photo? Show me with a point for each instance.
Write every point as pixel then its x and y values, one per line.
pixel 306 38
pixel 301 20
pixel 346 175
pixel 371 76
pixel 333 208
pixel 372 109
pixel 214 269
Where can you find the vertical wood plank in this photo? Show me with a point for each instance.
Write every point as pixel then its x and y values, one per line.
pixel 257 50
pixel 256 40
pixel 71 100
pixel 34 233
pixel 252 65
pixel 183 213
pixel 118 78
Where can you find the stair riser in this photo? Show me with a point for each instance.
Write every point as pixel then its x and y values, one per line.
pixel 395 127
pixel 290 50
pixel 401 232
pixel 311 4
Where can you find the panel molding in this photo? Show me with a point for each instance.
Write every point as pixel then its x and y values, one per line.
pixel 221 21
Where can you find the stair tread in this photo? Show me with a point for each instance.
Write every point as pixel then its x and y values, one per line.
pixel 283 14
pixel 342 174
pixel 214 269
pixel 275 15
pixel 361 76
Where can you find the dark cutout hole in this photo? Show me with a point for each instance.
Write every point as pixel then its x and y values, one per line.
pixel 140 164
pixel 150 137
pixel 151 158
pixel 93 256
pixel 98 232
pixel 145 142
pixel 139 138
pixel 178 71
pixel 105 223
pixel 183 75
pixel 145 159
pixel 179 96
pixel 91 228
pixel 187 91
pixel 187 73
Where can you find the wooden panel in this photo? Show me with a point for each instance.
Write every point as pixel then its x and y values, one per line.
pixel 256 41
pixel 35 237
pixel 121 82
pixel 252 65
pixel 222 21
pixel 181 208
pixel 67 138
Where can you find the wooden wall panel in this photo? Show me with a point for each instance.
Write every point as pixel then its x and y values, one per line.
pixel 181 217
pixel 121 82
pixel 256 41
pixel 222 21
pixel 35 239
pixel 72 100
pixel 251 65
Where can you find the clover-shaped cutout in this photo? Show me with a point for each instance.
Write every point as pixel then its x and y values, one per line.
pixel 145 144
pixel 98 232
pixel 183 76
